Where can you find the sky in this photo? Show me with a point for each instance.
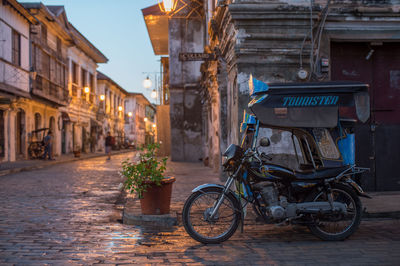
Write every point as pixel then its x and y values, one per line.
pixel 117 29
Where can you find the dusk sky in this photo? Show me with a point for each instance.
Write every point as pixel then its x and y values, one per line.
pixel 118 30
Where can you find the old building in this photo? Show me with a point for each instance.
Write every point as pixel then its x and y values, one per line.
pixel 83 126
pixel 50 40
pixel 111 109
pixel 16 119
pixel 280 41
pixel 172 34
pixel 65 64
pixel 140 119
pixel 286 41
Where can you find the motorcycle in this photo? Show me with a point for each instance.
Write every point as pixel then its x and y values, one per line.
pixel 320 194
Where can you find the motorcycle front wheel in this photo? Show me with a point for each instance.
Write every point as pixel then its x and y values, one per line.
pixel 200 226
pixel 335 227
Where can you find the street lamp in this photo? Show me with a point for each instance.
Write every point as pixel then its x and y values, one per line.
pixel 86 89
pixel 153 94
pixel 130 114
pixel 167 6
pixel 147 83
pixel 145 119
pixel 154 125
pixel 102 97
pixel 120 108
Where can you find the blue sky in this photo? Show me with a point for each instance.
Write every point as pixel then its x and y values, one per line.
pixel 118 30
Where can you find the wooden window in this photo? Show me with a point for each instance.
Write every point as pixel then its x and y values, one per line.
pixel 16 48
pixel 74 73
pixel 63 76
pixel 53 70
pixel 83 83
pixel 59 51
pixel 44 34
pixel 83 78
pixel 92 89
pixel 46 65
pixel 91 82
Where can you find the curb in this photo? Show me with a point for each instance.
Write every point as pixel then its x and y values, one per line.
pixel 132 215
pixel 164 220
pixel 36 167
pixel 382 215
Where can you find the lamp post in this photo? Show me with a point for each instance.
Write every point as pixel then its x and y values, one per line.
pixel 153 94
pixel 147 83
pixel 130 114
pixel 167 6
pixel 86 89
pixel 102 97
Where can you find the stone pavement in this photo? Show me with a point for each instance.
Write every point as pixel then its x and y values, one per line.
pixel 190 175
pixel 27 165
pixel 69 214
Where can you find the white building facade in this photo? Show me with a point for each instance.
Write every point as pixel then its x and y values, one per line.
pixel 15 118
pixel 111 110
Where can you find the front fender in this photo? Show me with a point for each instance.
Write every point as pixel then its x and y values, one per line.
pixel 207 186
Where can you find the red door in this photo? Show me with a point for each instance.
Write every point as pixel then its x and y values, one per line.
pixel 377 142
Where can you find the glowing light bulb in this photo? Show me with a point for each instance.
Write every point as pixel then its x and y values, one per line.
pixel 147 83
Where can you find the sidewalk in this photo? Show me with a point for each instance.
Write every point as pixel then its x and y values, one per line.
pixel 27 165
pixel 190 175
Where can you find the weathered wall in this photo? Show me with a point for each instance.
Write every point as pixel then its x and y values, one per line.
pixel 267 39
pixel 185 36
pixel 163 130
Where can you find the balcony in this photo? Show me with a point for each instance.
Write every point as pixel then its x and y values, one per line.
pixel 50 91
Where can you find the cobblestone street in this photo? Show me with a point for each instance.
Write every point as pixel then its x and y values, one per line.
pixel 70 214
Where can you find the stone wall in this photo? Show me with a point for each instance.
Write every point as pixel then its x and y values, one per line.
pixel 185 35
pixel 271 40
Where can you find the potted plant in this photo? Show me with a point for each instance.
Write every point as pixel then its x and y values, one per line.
pixel 77 151
pixel 146 178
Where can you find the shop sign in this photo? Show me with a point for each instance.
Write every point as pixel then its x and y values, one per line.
pixel 197 57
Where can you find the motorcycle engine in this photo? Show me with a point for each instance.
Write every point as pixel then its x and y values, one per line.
pixel 274 206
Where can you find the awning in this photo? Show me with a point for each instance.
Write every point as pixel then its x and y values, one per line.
pixel 157 27
pixel 65 117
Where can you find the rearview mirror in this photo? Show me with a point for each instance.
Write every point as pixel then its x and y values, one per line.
pixel 264 142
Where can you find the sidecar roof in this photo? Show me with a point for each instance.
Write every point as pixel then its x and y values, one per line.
pixel 311 104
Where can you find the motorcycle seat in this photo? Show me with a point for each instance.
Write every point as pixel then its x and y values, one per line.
pixel 320 173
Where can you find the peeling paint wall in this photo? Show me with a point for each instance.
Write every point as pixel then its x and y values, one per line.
pixel 185 105
pixel 267 39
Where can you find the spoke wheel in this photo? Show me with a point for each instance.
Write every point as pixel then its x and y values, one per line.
pixel 210 230
pixel 337 226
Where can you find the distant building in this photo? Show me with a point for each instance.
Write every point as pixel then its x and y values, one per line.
pixel 111 109
pixel 140 123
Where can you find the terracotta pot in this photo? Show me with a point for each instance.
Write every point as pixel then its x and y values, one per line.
pixel 157 199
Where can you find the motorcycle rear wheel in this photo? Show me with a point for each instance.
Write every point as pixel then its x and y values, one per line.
pixel 219 229
pixel 337 227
